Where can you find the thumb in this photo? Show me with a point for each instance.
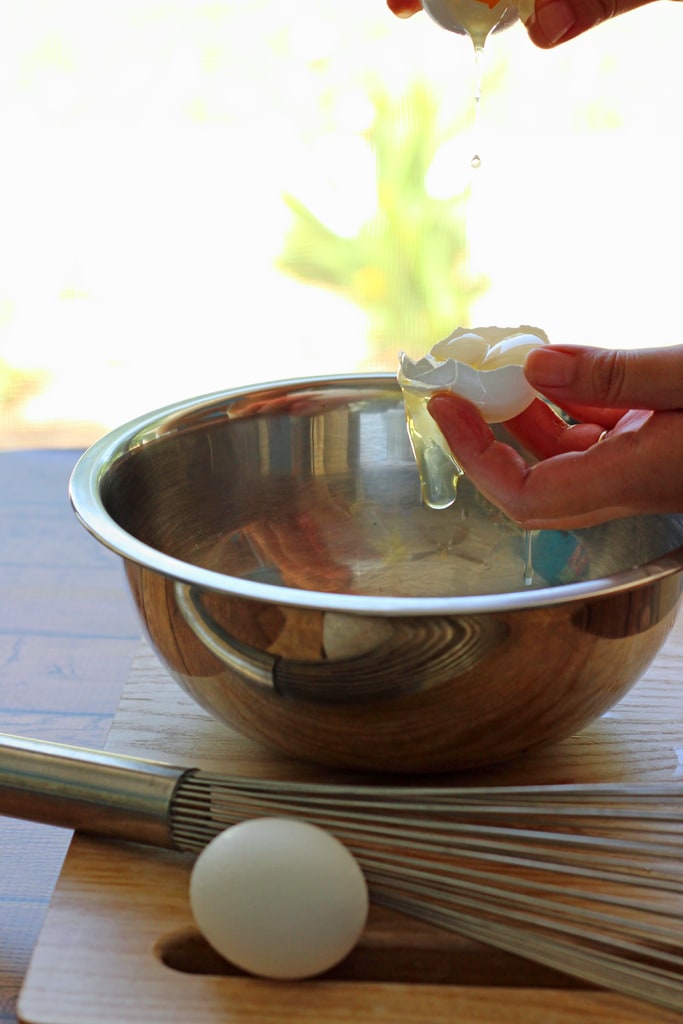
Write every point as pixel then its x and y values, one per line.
pixel 557 21
pixel 612 379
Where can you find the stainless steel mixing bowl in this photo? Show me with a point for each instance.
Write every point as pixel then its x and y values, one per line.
pixel 292 581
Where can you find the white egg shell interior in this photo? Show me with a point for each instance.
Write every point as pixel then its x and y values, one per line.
pixel 279 898
pixel 484 366
pixel 499 394
pixel 467 348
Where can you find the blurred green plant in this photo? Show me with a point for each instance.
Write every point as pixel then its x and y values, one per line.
pixel 17 386
pixel 407 266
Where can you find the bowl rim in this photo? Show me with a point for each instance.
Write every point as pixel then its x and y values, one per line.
pixel 92 465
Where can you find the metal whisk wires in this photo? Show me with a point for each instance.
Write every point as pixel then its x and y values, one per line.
pixel 585 879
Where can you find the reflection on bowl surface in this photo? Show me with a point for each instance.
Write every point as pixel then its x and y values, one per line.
pixel 293 582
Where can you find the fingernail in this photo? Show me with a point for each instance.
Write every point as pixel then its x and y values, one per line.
pixel 549 368
pixel 555 19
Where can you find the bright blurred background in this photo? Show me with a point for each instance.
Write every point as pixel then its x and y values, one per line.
pixel 198 195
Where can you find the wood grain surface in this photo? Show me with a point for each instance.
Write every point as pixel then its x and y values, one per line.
pixel 67 638
pixel 119 944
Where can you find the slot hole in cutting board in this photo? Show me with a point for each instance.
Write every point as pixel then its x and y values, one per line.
pixel 456 961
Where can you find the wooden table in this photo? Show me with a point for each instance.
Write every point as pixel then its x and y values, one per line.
pixel 67 638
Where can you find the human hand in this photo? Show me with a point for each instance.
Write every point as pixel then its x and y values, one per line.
pixel 558 21
pixel 623 457
pixel 553 21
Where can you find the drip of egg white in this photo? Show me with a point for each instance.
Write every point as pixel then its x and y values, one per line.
pixel 484 366
pixel 477 19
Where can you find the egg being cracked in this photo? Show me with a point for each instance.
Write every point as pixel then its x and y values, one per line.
pixel 483 365
pixel 477 18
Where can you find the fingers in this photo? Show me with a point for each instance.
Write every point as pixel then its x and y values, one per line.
pixel 404 8
pixel 495 469
pixel 531 496
pixel 575 486
pixel 558 21
pixel 544 433
pixel 572 375
pixel 593 414
pixel 552 21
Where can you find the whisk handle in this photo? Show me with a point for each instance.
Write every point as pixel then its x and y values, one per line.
pixel 93 791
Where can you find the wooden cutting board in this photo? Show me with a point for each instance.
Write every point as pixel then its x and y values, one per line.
pixel 119 945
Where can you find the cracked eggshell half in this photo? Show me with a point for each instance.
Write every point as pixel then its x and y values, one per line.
pixel 484 366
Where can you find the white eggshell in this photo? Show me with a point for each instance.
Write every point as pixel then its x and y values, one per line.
pixel 502 393
pixel 510 351
pixel 467 348
pixel 483 366
pixel 279 897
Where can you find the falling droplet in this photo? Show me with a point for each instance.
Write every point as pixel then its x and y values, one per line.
pixel 528 559
pixel 478 75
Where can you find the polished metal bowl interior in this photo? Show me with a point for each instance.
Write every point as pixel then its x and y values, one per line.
pixel 291 579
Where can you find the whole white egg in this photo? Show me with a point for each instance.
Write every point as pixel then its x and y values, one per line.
pixel 279 897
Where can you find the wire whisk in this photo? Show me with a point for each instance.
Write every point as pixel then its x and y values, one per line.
pixel 586 879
